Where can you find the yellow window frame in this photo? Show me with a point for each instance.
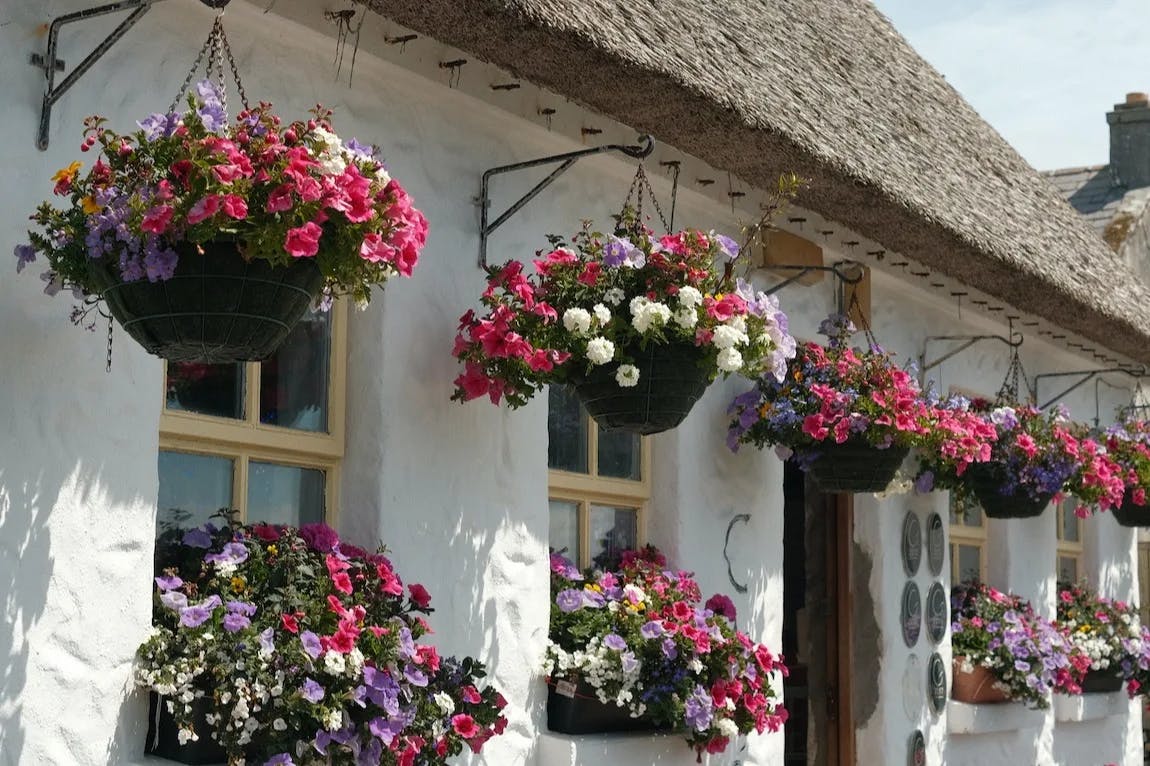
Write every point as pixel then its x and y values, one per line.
pixel 969 535
pixel 247 440
pixel 1064 548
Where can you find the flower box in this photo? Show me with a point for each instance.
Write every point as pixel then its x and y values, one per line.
pixel 855 467
pixel 216 307
pixel 1101 682
pixel 976 687
pixel 163 734
pixel 573 708
pixel 671 380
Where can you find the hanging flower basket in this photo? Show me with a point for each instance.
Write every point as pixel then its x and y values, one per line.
pixel 671 380
pixel 855 466
pixel 1101 682
pixel 986 482
pixel 164 734
pixel 1131 514
pixel 573 708
pixel 976 687
pixel 216 307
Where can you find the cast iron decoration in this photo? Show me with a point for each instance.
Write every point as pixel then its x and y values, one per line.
pixel 910 616
pixel 206 239
pixel 937 613
pixel 936 683
pixel 935 544
pixel 911 543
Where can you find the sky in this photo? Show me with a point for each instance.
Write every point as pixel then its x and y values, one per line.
pixel 1042 72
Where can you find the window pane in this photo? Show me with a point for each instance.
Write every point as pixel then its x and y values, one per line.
pixel 563 535
pixel 192 488
pixel 1067 569
pixel 294 382
pixel 285 494
pixel 965 513
pixel 969 560
pixel 566 431
pixel 1069 520
pixel 619 454
pixel 207 389
pixel 613 530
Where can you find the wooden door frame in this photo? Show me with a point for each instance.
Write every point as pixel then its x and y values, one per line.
pixel 840 718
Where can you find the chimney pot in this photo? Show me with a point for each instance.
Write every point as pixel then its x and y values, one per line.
pixel 1137 99
pixel 1130 141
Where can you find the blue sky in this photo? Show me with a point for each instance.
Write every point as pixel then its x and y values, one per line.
pixel 1042 72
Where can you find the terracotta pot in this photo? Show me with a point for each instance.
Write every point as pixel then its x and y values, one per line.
pixel 976 687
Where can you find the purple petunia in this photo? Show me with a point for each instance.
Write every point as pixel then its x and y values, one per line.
pixel 728 246
pixel 235 622
pixel 280 759
pixel 697 711
pixel 25 254
pixel 241 607
pixel 233 554
pixel 311 691
pixel 569 600
pixel 652 629
pixel 197 538
pixel 195 615
pixel 311 644
pixel 168 582
pixel 669 649
pixel 614 641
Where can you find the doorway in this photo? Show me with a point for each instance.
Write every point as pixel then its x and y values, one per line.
pixel 817 530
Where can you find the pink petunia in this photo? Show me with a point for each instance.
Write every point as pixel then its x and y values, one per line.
pixel 303 241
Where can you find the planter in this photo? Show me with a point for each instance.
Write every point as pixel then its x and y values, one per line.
pixel 216 308
pixel 976 687
pixel 1131 515
pixel 984 480
pixel 578 711
pixel 1101 682
pixel 854 467
pixel 671 380
pixel 163 740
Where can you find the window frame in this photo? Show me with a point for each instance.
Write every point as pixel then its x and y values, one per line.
pixel 968 535
pixel 589 489
pixel 247 440
pixel 1067 548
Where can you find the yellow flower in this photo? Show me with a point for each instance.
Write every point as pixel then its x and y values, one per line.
pixel 273 550
pixel 68 173
pixel 238 584
pixel 592 586
pixel 89 205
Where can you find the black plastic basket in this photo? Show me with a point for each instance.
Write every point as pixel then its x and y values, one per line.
pixel 1130 514
pixel 216 308
pixel 163 734
pixel 583 713
pixel 855 467
pixel 671 380
pixel 986 482
pixel 1101 682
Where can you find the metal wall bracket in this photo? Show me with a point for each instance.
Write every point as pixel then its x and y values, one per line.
pixel 838 270
pixel 50 65
pixel 1085 377
pixel 967 341
pixel 643 149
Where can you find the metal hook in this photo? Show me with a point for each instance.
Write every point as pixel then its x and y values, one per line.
pixel 746 519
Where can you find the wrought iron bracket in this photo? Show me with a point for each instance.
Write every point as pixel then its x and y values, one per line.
pixel 967 341
pixel 838 270
pixel 746 519
pixel 643 149
pixel 1085 377
pixel 50 65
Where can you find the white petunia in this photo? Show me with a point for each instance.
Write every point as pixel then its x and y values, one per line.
pixel 728 728
pixel 614 296
pixel 279 724
pixel 445 702
pixel 577 321
pixel 334 662
pixel 602 313
pixel 689 297
pixel 739 322
pixel 726 337
pixel 730 360
pixel 638 303
pixel 334 720
pixel 600 350
pixel 627 375
pixel 686 317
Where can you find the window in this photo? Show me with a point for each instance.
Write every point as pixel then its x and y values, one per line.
pixel 1144 581
pixel 598 484
pixel 967 541
pixel 1069 533
pixel 264 438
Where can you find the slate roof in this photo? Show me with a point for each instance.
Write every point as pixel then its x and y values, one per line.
pixel 1092 192
pixel 827 89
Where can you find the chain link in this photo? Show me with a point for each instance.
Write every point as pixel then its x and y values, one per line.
pixel 215 49
pixel 638 184
pixel 108 362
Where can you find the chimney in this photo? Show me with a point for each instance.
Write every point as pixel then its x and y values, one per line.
pixel 1130 141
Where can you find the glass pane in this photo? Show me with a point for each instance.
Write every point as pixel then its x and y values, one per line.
pixel 619 454
pixel 285 494
pixel 1067 569
pixel 294 382
pixel 207 389
pixel 965 513
pixel 566 431
pixel 1069 520
pixel 192 488
pixel 969 562
pixel 564 530
pixel 613 530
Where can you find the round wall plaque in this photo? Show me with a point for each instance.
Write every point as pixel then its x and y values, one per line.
pixel 917 755
pixel 913 693
pixel 937 613
pixel 911 614
pixel 935 544
pixel 911 543
pixel 936 683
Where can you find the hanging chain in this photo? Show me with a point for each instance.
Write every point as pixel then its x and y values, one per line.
pixel 235 69
pixel 1008 392
pixel 192 72
pixel 854 307
pixel 638 185
pixel 215 48
pixel 108 362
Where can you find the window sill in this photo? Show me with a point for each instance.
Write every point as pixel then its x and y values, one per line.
pixel 1088 707
pixel 962 718
pixel 597 749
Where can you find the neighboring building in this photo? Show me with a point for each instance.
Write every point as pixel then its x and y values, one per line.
pixel 957 231
pixel 1115 198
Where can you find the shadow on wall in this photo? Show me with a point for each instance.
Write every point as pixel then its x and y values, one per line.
pixel 26 567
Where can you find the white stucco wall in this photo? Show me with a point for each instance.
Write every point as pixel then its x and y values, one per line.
pixel 457 492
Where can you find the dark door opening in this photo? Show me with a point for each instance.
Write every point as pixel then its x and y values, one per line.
pixel 816 622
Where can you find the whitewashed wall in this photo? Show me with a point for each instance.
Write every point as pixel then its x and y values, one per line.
pixel 457 492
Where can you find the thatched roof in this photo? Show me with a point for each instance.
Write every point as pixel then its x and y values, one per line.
pixel 828 89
